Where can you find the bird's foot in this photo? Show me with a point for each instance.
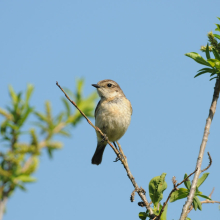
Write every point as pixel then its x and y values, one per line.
pixel 117 159
pixel 105 138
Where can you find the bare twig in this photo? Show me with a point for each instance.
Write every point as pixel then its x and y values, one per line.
pixel 173 190
pixel 210 201
pixel 210 195
pixel 120 155
pixel 210 163
pixel 132 195
pixel 202 150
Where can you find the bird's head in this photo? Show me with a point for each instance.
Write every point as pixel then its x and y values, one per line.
pixel 108 89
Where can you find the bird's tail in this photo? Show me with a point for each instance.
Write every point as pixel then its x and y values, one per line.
pixel 97 157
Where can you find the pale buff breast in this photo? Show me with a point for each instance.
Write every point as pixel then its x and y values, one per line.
pixel 113 118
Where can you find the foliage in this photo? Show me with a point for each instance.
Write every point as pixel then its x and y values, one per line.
pixel 19 160
pixel 184 192
pixel 213 64
pixel 157 185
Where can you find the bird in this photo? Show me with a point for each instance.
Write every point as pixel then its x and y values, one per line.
pixel 112 115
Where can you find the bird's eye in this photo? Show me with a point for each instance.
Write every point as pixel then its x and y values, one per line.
pixel 109 85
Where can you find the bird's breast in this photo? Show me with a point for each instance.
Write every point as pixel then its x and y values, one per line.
pixel 113 118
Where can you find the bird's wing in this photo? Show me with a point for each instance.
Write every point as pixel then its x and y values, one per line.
pixel 96 109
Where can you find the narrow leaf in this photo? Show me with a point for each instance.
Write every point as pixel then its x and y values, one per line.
pixel 187 183
pixel 26 179
pixel 202 179
pixel 203 196
pixel 179 194
pixel 13 95
pixel 197 58
pixel 217 36
pixel 216 54
pixel 197 202
pixel 207 52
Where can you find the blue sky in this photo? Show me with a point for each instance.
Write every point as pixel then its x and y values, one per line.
pixel 141 45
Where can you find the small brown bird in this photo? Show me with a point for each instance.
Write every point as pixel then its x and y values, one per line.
pixel 112 115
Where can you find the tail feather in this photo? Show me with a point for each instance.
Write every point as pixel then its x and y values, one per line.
pixel 97 157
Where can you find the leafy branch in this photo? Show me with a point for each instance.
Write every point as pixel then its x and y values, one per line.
pixel 19 160
pixel 214 69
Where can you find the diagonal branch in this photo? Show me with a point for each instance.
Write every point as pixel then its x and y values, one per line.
pixel 120 155
pixel 202 150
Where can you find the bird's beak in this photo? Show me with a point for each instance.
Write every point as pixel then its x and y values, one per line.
pixel 96 86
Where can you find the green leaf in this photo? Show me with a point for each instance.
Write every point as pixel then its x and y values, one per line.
pixel 203 196
pixel 6 114
pixel 50 152
pixel 143 215
pixel 25 115
pixel 203 72
pixel 187 183
pixel 48 113
pixel 217 36
pixel 34 139
pixel 156 187
pixel 26 178
pixel 202 179
pixel 214 63
pixel 197 58
pixel 64 133
pixel 213 78
pixel 164 214
pixel 21 187
pixel 207 52
pixel 216 54
pixel 179 194
pixel 197 203
pixel 32 166
pixel 208 70
pixel 30 89
pixel 13 95
pixel 54 144
pixel 218 27
pixel 40 116
pixel 188 218
pixel 4 173
pixel 79 88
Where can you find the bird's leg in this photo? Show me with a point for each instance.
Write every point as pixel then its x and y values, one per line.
pixel 117 158
pixel 115 146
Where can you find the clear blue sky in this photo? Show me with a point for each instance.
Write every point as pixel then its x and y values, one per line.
pixel 141 45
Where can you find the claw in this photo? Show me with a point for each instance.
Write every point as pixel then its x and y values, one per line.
pixel 105 138
pixel 116 160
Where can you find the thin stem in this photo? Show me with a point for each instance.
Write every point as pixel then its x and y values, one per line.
pixel 202 150
pixel 2 206
pixel 120 155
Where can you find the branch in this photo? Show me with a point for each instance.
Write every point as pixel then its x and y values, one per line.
pixel 173 190
pixel 3 202
pixel 202 150
pixel 120 155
